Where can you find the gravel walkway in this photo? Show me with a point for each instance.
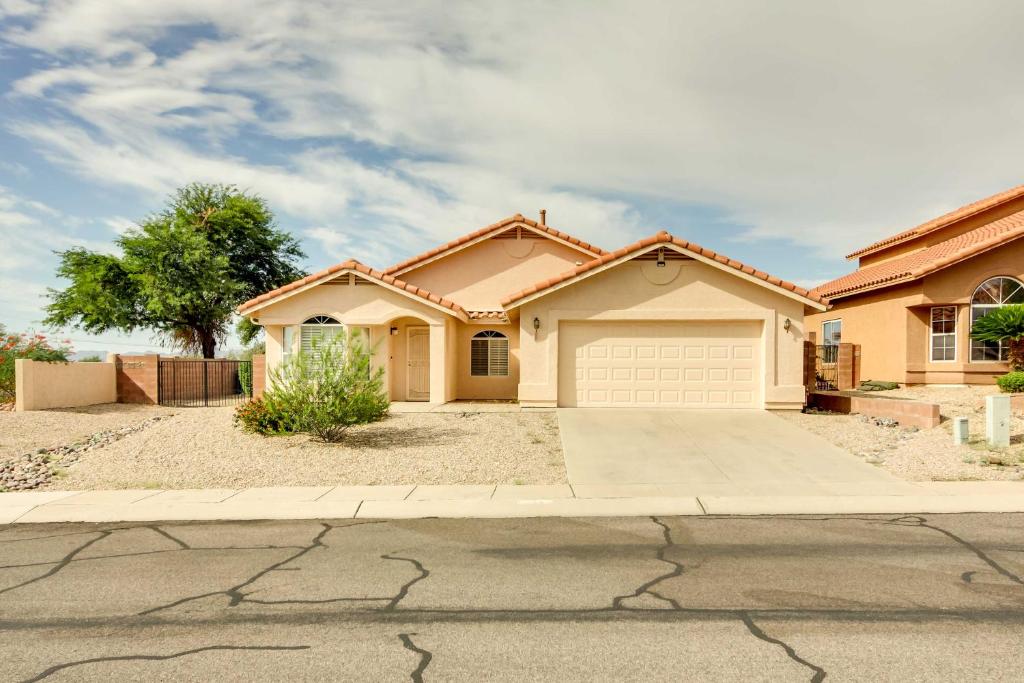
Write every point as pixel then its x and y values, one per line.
pixel 199 448
pixel 926 455
pixel 24 432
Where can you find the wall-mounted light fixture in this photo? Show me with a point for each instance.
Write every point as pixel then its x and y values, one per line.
pixel 536 324
pixel 394 331
pixel 788 324
pixel 661 257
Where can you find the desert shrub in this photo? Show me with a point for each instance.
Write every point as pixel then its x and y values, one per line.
pixel 257 417
pixel 878 385
pixel 30 346
pixel 329 390
pixel 1011 382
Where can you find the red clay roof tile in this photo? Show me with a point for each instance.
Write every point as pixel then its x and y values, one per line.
pixel 943 220
pixel 663 237
pixel 921 263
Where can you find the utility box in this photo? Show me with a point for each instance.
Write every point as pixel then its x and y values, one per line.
pixel 997 420
pixel 961 430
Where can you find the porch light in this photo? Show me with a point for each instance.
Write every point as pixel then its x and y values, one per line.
pixel 394 331
pixel 661 259
pixel 536 324
pixel 788 324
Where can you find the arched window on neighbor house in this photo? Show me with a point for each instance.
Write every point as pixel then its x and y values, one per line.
pixel 488 354
pixel 317 331
pixel 993 293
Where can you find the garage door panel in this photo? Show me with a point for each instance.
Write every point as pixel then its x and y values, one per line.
pixel 671 364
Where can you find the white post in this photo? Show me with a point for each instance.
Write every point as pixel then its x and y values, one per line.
pixel 997 420
pixel 961 430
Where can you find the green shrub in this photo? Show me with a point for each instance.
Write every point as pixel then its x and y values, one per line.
pixel 329 390
pixel 90 359
pixel 1011 382
pixel 245 377
pixel 30 346
pixel 257 417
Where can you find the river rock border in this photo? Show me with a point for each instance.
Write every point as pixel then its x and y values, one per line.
pixel 32 470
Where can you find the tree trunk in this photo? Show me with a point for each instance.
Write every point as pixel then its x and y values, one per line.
pixel 209 343
pixel 1016 353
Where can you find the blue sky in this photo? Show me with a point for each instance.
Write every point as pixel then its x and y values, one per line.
pixel 782 134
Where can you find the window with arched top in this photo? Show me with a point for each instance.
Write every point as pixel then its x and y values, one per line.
pixel 488 354
pixel 316 331
pixel 993 293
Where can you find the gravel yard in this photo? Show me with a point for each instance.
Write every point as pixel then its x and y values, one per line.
pixel 200 448
pixel 24 432
pixel 926 455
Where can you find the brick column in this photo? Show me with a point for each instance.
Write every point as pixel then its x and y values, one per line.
pixel 848 366
pixel 138 378
pixel 259 374
pixel 810 363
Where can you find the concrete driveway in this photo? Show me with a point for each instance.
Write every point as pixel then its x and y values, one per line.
pixel 720 452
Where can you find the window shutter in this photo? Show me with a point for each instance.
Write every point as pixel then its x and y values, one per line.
pixel 498 357
pixel 478 360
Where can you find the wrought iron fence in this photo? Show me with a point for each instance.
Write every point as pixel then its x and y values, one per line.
pixel 826 367
pixel 200 383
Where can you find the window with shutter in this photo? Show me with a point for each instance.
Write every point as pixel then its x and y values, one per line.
pixel 488 354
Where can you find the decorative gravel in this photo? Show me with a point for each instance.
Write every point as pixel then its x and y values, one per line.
pixel 200 448
pixel 28 432
pixel 926 455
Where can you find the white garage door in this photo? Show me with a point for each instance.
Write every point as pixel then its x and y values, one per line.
pixel 660 364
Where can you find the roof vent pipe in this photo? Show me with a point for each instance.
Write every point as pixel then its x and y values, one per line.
pixel 543 216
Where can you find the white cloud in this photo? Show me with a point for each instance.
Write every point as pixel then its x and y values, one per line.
pixel 818 123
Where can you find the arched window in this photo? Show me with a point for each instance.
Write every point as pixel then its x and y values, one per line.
pixel 488 354
pixel 992 294
pixel 317 331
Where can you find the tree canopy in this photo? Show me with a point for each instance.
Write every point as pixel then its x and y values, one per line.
pixel 181 272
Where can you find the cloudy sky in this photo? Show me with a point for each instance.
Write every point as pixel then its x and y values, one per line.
pixel 784 134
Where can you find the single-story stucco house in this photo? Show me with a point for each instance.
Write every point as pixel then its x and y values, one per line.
pixel 914 296
pixel 521 311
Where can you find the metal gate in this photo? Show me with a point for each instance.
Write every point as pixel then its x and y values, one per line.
pixel 826 368
pixel 200 383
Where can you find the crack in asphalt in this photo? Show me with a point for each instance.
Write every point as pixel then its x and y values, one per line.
pixel 758 632
pixel 161 658
pixel 235 593
pixel 919 521
pixel 646 587
pixel 425 656
pixel 404 590
pixel 60 564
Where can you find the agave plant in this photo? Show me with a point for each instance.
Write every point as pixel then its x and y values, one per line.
pixel 1004 324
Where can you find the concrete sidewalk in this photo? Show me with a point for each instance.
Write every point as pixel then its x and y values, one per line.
pixel 560 500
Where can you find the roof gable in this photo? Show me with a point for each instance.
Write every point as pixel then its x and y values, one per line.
pixel 359 270
pixel 936 257
pixel 663 239
pixel 494 230
pixel 945 220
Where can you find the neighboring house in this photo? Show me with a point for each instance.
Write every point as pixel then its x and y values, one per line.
pixel 520 311
pixel 912 300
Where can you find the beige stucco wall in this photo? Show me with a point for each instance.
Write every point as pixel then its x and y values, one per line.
pixel 892 325
pixel 487 388
pixel 478 277
pixel 698 292
pixel 377 308
pixel 40 385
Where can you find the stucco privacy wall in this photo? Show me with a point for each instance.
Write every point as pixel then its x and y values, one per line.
pixel 373 306
pixel 892 324
pixel 40 385
pixel 698 292
pixel 479 276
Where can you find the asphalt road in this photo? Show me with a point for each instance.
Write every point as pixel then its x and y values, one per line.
pixel 936 597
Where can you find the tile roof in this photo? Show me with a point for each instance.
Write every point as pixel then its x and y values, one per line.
pixel 943 220
pixel 920 263
pixel 357 267
pixel 518 218
pixel 661 237
pixel 488 315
